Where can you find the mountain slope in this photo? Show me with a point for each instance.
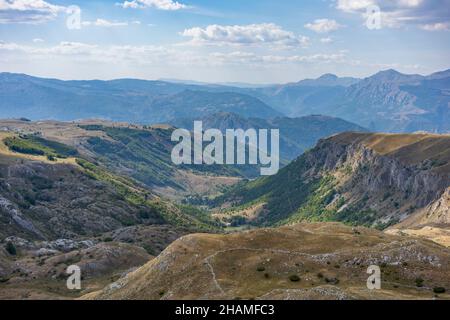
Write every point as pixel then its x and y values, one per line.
pixel 140 152
pixel 358 178
pixel 54 197
pixel 296 134
pixel 305 261
pixel 58 209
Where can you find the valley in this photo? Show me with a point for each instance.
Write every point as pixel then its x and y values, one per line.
pixel 96 194
pixel 104 194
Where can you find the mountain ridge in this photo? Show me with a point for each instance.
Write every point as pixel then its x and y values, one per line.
pixel 375 180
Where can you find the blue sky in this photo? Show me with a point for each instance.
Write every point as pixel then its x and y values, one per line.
pixel 264 41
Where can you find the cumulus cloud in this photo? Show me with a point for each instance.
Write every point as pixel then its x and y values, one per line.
pixel 28 11
pixel 104 23
pixel 157 4
pixel 323 25
pixel 431 15
pixel 253 34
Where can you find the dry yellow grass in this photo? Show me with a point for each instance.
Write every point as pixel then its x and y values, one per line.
pixel 330 259
pixel 409 149
pixel 438 235
pixel 4 150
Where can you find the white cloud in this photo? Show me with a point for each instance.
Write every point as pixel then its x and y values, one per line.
pixel 247 58
pixel 104 23
pixel 323 25
pixel 38 40
pixel 157 4
pixel 253 34
pixel 28 11
pixel 326 40
pixel 428 15
pixel 353 5
pixel 440 26
pixel 158 55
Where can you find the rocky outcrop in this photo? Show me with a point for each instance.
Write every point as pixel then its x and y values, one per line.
pixel 389 181
pixel 437 214
pixel 368 179
pixel 40 201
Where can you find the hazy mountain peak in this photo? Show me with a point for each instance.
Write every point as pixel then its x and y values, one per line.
pixel 328 80
pixel 392 75
pixel 328 76
pixel 439 75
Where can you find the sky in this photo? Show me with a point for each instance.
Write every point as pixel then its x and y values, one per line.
pixel 251 41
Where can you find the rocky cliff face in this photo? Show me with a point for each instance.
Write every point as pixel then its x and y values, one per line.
pixel 386 172
pixel 375 180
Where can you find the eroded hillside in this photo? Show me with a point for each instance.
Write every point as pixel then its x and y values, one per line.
pixel 304 261
pixel 59 209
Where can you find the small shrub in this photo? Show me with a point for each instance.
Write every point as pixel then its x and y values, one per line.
pixel 108 239
pixel 439 290
pixel 149 249
pixel 332 280
pixel 419 282
pixel 3 280
pixel 11 248
pixel 294 278
pixel 260 269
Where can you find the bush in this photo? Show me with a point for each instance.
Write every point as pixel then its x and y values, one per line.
pixel 294 278
pixel 439 290
pixel 11 248
pixel 332 280
pixel 260 269
pixel 419 282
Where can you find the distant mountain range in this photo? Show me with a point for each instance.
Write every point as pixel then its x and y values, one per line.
pixel 387 101
pixel 127 100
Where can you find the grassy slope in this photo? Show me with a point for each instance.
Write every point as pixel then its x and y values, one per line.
pixel 145 155
pixel 129 190
pixel 329 259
